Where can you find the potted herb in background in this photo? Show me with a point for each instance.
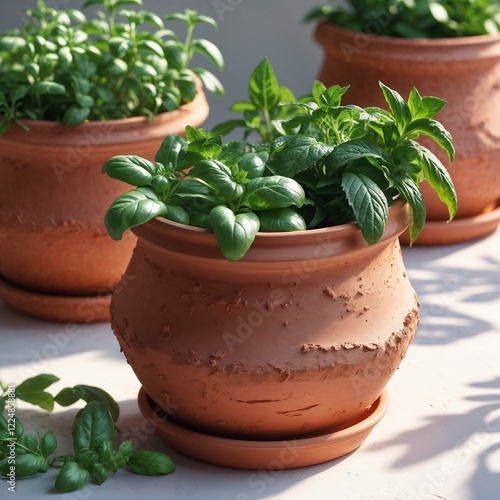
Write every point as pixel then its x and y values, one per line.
pixel 270 301
pixel 74 92
pixel 446 48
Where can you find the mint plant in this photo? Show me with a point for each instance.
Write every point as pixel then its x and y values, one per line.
pixel 328 164
pixel 413 19
pixel 63 67
pixel 94 457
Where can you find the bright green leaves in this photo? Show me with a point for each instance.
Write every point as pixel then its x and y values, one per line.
pixel 414 19
pixel 234 233
pixel 318 163
pixel 130 63
pixel 369 204
pixel 266 193
pixel 132 209
pixel 93 426
pixel 94 456
pixel 150 463
pixel 130 169
pixel 263 87
pixel 261 113
pixel 71 478
pixel 33 391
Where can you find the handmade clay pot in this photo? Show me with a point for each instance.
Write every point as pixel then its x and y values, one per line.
pixel 57 261
pixel 298 337
pixel 463 71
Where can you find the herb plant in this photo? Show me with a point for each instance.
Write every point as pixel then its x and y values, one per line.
pixel 227 190
pixel 329 164
pixel 94 457
pixel 413 18
pixel 63 67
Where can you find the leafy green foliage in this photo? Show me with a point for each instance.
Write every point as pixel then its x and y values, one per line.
pixel 227 190
pixel 94 457
pixel 413 19
pixel 63 67
pixel 260 115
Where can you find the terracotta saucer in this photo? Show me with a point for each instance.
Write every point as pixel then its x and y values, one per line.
pixel 270 455
pixel 58 308
pixel 456 231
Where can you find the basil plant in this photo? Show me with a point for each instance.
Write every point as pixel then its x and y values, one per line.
pixel 317 163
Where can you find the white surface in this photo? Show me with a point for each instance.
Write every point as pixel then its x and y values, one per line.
pixel 439 439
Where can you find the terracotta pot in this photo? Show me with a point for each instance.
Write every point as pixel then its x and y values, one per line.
pixel 56 258
pixel 463 71
pixel 299 337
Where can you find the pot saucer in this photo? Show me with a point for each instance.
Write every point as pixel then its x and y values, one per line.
pixel 269 455
pixel 456 231
pixel 59 308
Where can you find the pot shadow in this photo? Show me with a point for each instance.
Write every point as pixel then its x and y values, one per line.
pixel 466 434
pixel 443 290
pixel 246 484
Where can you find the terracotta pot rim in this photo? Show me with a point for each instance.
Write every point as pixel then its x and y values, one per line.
pixel 269 247
pixel 466 41
pixel 124 122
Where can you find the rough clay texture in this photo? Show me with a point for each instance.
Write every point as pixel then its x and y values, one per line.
pixel 53 198
pixel 464 71
pixel 292 340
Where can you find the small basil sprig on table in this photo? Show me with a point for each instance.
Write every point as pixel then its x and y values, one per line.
pixel 227 190
pixel 353 162
pixel 94 457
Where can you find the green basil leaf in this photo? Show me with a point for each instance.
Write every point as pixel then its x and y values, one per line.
pixel 275 191
pixel 333 95
pixel 209 50
pixel 150 463
pixel 424 107
pixel 68 396
pixel 439 179
pixel 317 91
pixel 32 391
pixel 398 106
pixel 75 115
pixel 91 393
pixel 297 154
pixel 412 193
pixel 48 88
pixel 48 444
pixel 235 233
pixel 369 204
pixel 354 150
pixel 226 127
pixel 129 210
pixel 18 92
pixel 219 177
pixel 263 87
pixel 281 220
pixel 28 444
pixel 71 478
pixel 151 46
pixel 177 214
pixel 27 464
pixel 126 448
pixel 434 130
pixel 210 81
pixel 254 164
pixel 93 425
pixel 131 169
pixel 169 150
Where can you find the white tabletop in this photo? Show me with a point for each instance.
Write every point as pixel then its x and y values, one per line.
pixel 439 439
